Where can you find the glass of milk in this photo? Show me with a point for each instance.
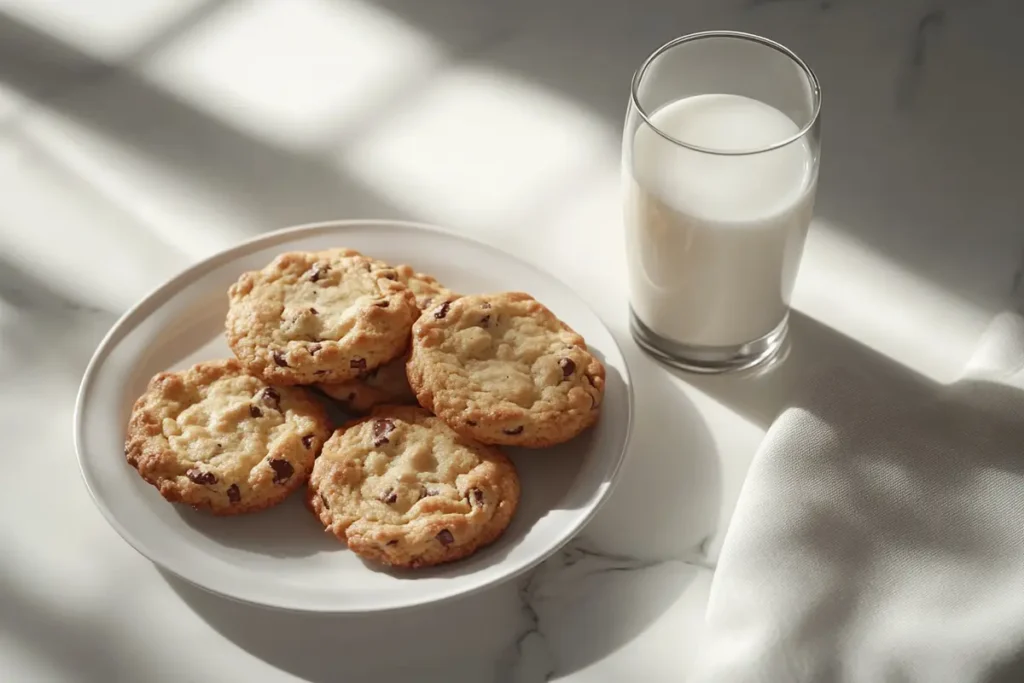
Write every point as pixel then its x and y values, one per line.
pixel 720 164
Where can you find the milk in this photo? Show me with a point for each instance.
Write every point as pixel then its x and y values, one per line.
pixel 714 242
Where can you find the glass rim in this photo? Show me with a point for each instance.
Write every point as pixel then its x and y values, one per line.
pixel 739 35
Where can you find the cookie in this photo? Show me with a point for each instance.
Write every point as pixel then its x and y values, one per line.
pixel 401 488
pixel 381 386
pixel 324 316
pixel 426 288
pixel 217 438
pixel 502 369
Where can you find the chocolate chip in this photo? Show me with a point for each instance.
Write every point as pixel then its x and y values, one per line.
pixel 271 398
pixel 428 492
pixel 514 430
pixel 314 349
pixel 323 501
pixel 443 311
pixel 200 477
pixel 476 497
pixel 381 429
pixel 389 496
pixel 471 423
pixel 393 542
pixel 254 411
pixel 234 495
pixel 382 304
pixel 318 271
pixel 484 321
pixel 357 363
pixel 283 470
pixel 568 367
pixel 445 537
pixel 313 311
pixel 279 359
pixel 307 441
pixel 389 275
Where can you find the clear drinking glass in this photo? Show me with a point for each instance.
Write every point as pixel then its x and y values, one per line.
pixel 720 164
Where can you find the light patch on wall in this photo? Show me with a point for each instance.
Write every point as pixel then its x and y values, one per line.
pixel 860 292
pixel 294 72
pixel 11 102
pixel 103 29
pixel 181 210
pixel 477 147
pixel 87 248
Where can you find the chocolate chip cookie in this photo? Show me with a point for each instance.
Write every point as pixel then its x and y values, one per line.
pixel 218 438
pixel 501 368
pixel 426 288
pixel 401 488
pixel 325 316
pixel 380 386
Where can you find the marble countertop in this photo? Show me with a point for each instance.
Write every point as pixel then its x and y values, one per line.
pixel 136 138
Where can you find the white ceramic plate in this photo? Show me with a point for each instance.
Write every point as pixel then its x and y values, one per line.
pixel 282 557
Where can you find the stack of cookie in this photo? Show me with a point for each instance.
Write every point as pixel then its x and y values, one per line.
pixel 405 485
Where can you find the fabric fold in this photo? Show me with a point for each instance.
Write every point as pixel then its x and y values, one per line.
pixel 879 535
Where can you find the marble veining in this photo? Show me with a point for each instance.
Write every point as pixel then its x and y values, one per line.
pixel 563 584
pixel 925 33
pixel 1017 288
pixel 573 564
pixel 530 657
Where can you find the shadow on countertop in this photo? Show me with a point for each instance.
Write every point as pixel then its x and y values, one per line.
pixel 443 642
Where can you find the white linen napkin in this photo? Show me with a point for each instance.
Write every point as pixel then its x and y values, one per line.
pixel 879 535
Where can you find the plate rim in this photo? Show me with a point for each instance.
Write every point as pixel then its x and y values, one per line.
pixel 269 239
